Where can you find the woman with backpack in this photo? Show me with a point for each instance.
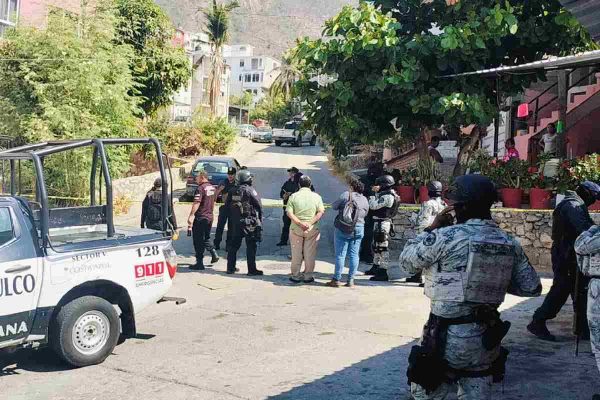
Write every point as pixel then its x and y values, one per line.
pixel 352 208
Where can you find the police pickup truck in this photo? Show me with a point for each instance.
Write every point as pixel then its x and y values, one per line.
pixel 293 134
pixel 69 278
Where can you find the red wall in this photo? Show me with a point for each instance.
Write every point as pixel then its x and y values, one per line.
pixel 584 137
pixel 35 12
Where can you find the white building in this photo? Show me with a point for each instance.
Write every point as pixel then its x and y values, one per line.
pixel 195 95
pixel 249 72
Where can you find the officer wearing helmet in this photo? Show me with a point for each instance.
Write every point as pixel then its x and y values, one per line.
pixel 429 210
pixel 384 206
pixel 468 268
pixel 152 209
pixel 245 222
pixel 569 220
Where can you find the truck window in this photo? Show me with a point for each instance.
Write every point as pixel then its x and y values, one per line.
pixel 291 125
pixel 6 226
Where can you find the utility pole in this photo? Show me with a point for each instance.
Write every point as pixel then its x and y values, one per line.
pixel 563 101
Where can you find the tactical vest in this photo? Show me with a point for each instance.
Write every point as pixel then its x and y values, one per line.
pixel 486 277
pixel 154 213
pixel 388 212
pixel 240 204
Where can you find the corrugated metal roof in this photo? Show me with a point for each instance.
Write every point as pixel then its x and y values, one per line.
pixel 588 14
pixel 588 58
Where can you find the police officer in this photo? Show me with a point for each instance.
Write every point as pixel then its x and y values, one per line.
pixel 384 205
pixel 224 188
pixel 429 210
pixel 152 208
pixel 366 246
pixel 569 220
pixel 468 268
pixel 201 219
pixel 245 222
pixel 290 187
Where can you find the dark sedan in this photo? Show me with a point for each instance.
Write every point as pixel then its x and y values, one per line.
pixel 215 166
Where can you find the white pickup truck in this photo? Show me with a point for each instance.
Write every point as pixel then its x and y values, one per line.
pixel 293 135
pixel 68 277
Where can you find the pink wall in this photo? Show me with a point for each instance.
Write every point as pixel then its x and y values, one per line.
pixel 35 12
pixel 584 137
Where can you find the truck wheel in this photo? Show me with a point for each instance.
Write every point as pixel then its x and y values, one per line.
pixel 85 331
pixel 298 143
pixel 277 143
pixel 313 141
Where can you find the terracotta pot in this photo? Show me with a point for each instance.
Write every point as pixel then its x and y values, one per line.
pixel 540 199
pixel 595 206
pixel 423 194
pixel 511 198
pixel 407 194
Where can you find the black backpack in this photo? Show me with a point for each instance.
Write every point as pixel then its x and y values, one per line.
pixel 155 206
pixel 347 216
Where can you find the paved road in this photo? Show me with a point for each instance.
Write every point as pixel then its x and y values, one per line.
pixel 257 338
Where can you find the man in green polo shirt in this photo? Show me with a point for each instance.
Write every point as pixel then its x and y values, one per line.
pixel 305 209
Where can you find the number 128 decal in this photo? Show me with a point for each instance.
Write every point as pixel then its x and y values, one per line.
pixel 147 251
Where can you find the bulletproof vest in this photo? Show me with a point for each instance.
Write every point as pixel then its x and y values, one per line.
pixel 587 247
pixel 485 278
pixel 240 203
pixel 154 213
pixel 388 212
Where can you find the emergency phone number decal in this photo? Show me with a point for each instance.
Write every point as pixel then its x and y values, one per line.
pixel 149 274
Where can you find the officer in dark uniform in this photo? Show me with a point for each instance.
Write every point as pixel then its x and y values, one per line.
pixel 152 208
pixel 290 187
pixel 366 246
pixel 569 220
pixel 245 222
pixel 201 219
pixel 224 189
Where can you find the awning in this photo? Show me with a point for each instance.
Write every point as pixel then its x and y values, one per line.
pixel 588 58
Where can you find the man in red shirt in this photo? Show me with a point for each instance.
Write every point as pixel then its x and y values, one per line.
pixel 201 219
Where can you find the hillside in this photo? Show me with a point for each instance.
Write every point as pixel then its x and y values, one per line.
pixel 269 25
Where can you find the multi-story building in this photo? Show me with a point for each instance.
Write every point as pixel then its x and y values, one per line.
pixel 9 13
pixel 33 12
pixel 249 72
pixel 194 96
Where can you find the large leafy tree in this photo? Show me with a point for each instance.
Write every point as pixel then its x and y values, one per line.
pixel 387 60
pixel 159 68
pixel 218 31
pixel 288 74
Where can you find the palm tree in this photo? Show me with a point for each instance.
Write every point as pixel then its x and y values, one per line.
pixel 217 29
pixel 289 74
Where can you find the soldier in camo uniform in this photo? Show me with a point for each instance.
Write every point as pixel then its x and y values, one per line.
pixel 587 247
pixel 468 268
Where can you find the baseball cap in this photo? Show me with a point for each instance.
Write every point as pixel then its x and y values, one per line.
pixel 593 188
pixel 231 171
pixel 294 170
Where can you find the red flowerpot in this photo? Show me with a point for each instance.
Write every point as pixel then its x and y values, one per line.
pixel 539 199
pixel 407 194
pixel 423 194
pixel 595 206
pixel 511 198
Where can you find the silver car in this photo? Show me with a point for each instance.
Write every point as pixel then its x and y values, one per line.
pixel 246 130
pixel 263 134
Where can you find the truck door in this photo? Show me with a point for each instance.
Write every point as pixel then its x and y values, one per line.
pixel 19 276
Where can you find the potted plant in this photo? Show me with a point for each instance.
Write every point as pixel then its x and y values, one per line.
pixel 427 170
pixel 587 169
pixel 406 186
pixel 512 176
pixel 540 186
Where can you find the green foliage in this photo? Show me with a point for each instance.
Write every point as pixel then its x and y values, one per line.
pixel 69 81
pixel 242 101
pixel 275 109
pixel 587 169
pixel 427 170
pixel 288 74
pixel 386 62
pixel 159 68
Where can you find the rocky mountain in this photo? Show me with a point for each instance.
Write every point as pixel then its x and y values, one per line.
pixel 270 25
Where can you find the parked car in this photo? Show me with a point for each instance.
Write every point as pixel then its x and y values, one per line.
pixel 292 135
pixel 263 134
pixel 215 166
pixel 246 130
pixel 70 278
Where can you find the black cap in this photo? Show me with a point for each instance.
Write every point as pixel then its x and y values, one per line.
pixel 294 170
pixel 473 189
pixel 231 171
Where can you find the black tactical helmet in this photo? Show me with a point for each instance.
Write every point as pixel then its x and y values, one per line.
pixel 385 181
pixel 474 190
pixel 244 176
pixel 435 188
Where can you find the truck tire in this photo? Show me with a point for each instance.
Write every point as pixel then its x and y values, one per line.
pixel 85 331
pixel 277 143
pixel 298 143
pixel 313 141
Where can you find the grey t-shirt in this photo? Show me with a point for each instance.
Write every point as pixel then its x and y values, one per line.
pixel 361 202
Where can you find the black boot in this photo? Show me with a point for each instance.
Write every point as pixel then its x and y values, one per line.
pixel 380 276
pixel 539 329
pixel 373 270
pixel 199 266
pixel 414 279
pixel 215 256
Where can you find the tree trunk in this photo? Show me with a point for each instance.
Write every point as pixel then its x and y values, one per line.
pixel 466 149
pixel 422 144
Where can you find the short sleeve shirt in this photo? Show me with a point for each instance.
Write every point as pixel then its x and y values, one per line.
pixel 205 196
pixel 549 143
pixel 305 204
pixel 227 186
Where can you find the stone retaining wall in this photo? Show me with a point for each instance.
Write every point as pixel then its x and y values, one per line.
pixel 533 229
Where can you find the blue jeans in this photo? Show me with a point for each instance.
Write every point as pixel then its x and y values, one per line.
pixel 347 244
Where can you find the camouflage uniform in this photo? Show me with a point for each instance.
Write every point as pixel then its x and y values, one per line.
pixel 445 252
pixel 587 247
pixel 429 210
pixel 380 249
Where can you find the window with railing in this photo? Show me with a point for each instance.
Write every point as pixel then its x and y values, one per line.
pixel 9 13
